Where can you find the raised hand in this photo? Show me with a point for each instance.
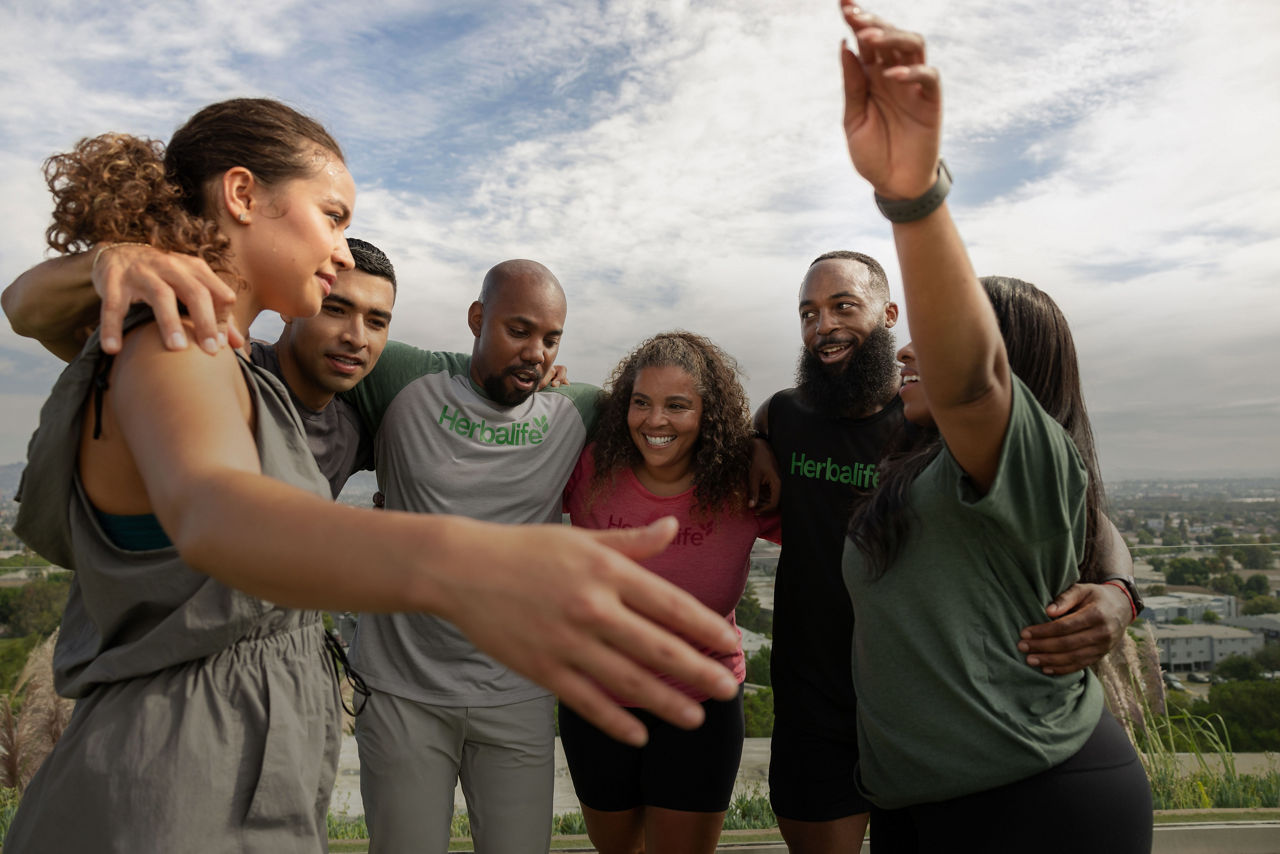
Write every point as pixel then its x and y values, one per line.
pixel 892 106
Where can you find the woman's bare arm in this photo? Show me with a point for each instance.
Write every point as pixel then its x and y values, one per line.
pixel 893 121
pixel 59 301
pixel 566 608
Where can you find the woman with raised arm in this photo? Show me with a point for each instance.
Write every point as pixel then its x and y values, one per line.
pixel 970 532
pixel 673 440
pixel 179 487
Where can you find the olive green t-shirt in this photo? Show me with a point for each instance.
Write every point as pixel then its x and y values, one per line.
pixel 947 705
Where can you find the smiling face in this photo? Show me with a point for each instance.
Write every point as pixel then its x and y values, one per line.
pixel 665 418
pixel 915 406
pixel 839 309
pixel 331 352
pixel 290 245
pixel 518 326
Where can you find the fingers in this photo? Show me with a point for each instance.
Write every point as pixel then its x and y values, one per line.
pixel 855 88
pixel 621 677
pixel 643 630
pixel 1067 599
pixel 924 76
pixel 1063 626
pixel 557 376
pixel 881 43
pixel 162 280
pixel 1070 643
pixel 590 702
pixel 639 543
pixel 111 316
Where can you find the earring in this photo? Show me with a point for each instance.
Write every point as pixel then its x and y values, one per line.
pixel 244 217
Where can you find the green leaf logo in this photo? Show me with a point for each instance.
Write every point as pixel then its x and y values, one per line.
pixel 542 424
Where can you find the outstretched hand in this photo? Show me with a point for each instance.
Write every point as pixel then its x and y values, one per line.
pixel 578 615
pixel 892 106
pixel 127 274
pixel 1088 620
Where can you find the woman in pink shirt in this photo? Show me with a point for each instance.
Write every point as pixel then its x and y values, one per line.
pixel 674 439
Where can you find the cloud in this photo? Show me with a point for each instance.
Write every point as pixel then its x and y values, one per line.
pixel 679 164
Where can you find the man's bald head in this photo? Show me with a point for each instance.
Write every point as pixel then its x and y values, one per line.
pixel 517 321
pixel 520 273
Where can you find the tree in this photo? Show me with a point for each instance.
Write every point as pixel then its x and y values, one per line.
pixel 749 614
pixel 1260 605
pixel 758 667
pixel 1257 585
pixel 1186 570
pixel 1268 657
pixel 1145 537
pixel 757 713
pixel 1155 589
pixel 1256 557
pixel 1213 565
pixel 1238 667
pixel 1180 621
pixel 1157 563
pixel 1251 711
pixel 1209 616
pixel 1228 583
pixel 1221 536
pixel 39 607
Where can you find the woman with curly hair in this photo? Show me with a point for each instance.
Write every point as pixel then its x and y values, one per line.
pixel 673 439
pixel 206 715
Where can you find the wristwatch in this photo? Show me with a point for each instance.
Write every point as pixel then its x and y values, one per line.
pixel 909 210
pixel 1129 587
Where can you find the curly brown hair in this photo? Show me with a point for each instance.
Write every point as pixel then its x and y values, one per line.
pixel 722 454
pixel 117 187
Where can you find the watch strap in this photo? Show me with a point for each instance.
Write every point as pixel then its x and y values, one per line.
pixel 910 210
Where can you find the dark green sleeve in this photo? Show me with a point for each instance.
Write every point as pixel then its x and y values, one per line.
pixel 586 398
pixel 399 365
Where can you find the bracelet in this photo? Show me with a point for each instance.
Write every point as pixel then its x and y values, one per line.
pixel 104 247
pixel 1116 582
pixel 910 210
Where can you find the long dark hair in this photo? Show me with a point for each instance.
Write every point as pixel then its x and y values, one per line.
pixel 722 455
pixel 1042 354
pixel 117 187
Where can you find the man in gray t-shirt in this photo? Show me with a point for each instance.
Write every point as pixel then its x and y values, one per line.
pixel 470 438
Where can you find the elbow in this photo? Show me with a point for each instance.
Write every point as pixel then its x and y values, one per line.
pixel 10 302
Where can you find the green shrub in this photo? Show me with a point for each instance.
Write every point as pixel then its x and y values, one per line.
pixel 569 824
pixel 344 826
pixel 750 811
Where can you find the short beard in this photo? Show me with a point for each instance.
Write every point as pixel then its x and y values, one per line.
pixel 503 396
pixel 862 385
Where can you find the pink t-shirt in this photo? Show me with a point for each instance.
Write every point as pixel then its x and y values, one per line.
pixel 708 558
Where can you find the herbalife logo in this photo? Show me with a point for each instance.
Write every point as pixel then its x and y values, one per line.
pixel 859 474
pixel 530 432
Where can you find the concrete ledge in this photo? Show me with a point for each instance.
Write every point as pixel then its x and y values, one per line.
pixel 1236 837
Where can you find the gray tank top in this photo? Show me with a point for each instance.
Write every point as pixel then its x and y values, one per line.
pixel 132 613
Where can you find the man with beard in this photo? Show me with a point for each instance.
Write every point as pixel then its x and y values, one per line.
pixel 828 434
pixel 472 440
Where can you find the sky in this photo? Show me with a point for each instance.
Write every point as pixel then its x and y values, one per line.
pixel 679 164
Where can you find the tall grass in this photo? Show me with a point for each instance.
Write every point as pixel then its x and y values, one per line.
pixel 32 718
pixel 1135 696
